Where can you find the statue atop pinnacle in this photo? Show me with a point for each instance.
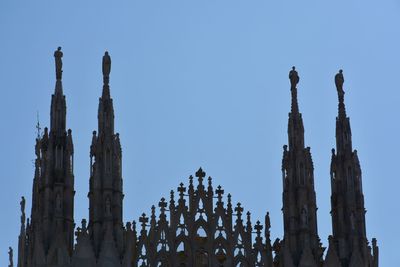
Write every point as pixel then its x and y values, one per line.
pixel 294 77
pixel 339 80
pixel 106 67
pixel 58 54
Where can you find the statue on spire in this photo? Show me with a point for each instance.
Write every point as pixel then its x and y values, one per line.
pixel 106 67
pixel 294 77
pixel 339 80
pixel 58 55
pixel 22 203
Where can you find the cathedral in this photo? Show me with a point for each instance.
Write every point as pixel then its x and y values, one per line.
pixel 197 226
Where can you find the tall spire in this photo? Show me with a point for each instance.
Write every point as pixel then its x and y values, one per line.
pixel 106 109
pixel 301 242
pixel 58 106
pixel 347 199
pixel 295 128
pixel 343 129
pixel 105 193
pixel 51 228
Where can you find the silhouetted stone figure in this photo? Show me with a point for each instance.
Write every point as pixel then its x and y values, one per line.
pixel 22 203
pixel 294 77
pixel 106 67
pixel 10 257
pixel 58 55
pixel 339 80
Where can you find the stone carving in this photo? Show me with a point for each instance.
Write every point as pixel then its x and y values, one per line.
pixel 294 77
pixel 304 216
pixel 339 80
pixel 10 257
pixel 58 55
pixel 106 67
pixel 22 203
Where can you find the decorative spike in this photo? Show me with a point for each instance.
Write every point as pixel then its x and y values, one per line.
pixel 210 189
pixel 172 201
pixel 38 128
pixel 267 226
pixel 153 216
pixel 249 228
pixel 229 205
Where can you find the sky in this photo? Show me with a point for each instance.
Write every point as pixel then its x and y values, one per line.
pixel 205 83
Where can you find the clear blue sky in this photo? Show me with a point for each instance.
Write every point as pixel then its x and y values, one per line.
pixel 205 83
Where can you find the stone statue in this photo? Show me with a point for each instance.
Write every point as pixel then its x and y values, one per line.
pixel 10 257
pixel 22 203
pixel 294 77
pixel 339 80
pixel 58 55
pixel 267 221
pixel 106 67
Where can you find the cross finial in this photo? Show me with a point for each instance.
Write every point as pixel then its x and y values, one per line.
pixel 219 193
pixel 258 228
pixel 200 174
pixel 162 204
pixel 181 190
pixel 143 220
pixel 239 209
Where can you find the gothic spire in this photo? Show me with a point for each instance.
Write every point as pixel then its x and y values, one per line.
pixel 299 202
pixel 343 129
pixel 347 199
pixel 105 193
pixel 52 214
pixel 58 105
pixel 106 109
pixel 295 127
